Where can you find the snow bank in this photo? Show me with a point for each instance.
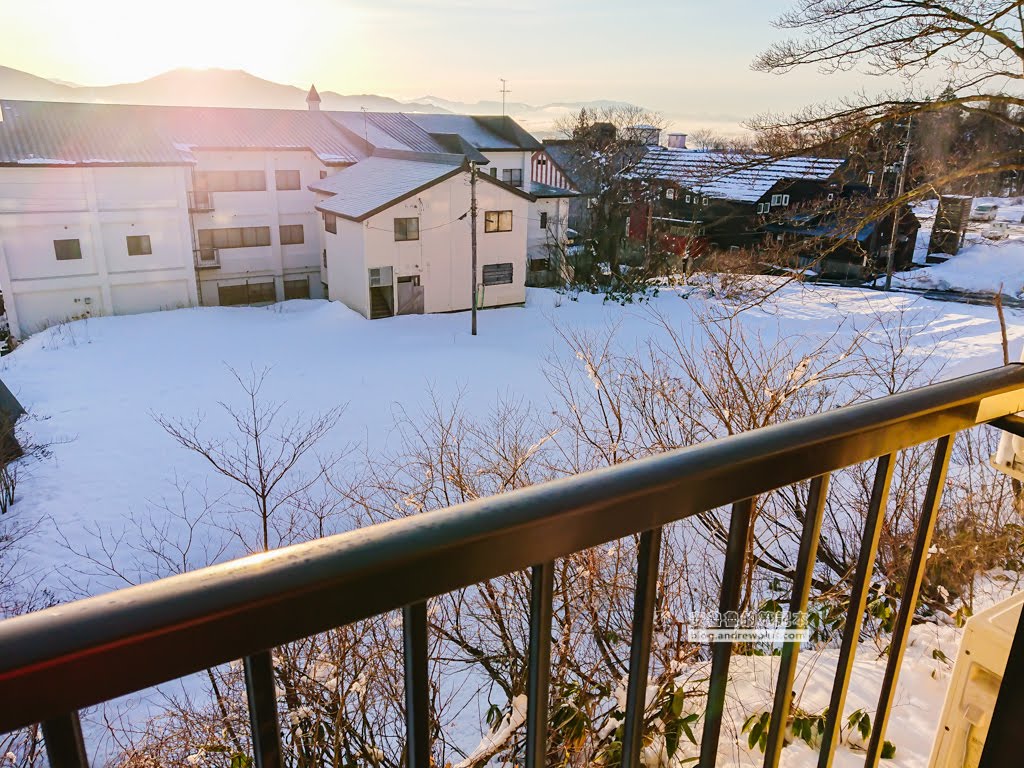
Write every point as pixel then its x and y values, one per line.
pixel 981 266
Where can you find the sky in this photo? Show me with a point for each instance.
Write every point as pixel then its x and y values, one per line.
pixel 689 59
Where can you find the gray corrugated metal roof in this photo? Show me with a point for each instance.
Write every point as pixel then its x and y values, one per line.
pixel 743 178
pixel 546 190
pixel 58 133
pixel 482 132
pixel 376 183
pixel 387 130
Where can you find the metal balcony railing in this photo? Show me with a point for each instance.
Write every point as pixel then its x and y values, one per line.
pixel 207 258
pixel 62 659
pixel 200 202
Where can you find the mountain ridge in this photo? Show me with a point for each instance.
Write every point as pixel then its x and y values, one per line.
pixel 238 88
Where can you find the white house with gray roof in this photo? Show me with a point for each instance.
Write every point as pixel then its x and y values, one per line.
pixel 114 209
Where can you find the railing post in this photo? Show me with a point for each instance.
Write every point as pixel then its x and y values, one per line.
pixel 648 559
pixel 908 602
pixel 721 652
pixel 855 613
pixel 542 583
pixel 261 691
pixel 802 578
pixel 65 746
pixel 417 686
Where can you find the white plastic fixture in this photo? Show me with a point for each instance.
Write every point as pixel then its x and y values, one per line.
pixel 974 686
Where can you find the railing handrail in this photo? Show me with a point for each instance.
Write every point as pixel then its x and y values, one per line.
pixel 59 659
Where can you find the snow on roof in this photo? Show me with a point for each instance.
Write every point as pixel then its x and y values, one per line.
pixel 377 183
pixel 730 176
pixel 547 190
pixel 64 133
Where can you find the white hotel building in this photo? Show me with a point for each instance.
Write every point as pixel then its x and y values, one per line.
pixel 117 209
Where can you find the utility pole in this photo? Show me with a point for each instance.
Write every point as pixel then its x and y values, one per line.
pixel 504 91
pixel 472 234
pixel 890 262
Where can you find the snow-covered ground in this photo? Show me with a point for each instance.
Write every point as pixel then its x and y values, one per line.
pixel 94 387
pixel 983 265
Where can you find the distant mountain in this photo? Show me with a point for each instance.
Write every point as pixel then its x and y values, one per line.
pixel 194 87
pixel 237 88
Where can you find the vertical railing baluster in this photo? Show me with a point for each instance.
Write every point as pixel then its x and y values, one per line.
pixel 261 691
pixel 542 584
pixel 908 601
pixel 855 612
pixel 648 560
pixel 417 685
pixel 721 652
pixel 802 577
pixel 65 746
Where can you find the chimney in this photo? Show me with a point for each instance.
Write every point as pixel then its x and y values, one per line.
pixel 677 141
pixel 313 99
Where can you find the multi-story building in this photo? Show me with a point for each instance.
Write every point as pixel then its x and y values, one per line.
pixel 115 209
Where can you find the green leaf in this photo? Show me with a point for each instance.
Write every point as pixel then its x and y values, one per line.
pixel 678 699
pixel 888 750
pixel 755 734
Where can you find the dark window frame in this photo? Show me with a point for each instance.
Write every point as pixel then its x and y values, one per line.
pixel 292 180
pixel 403 231
pixel 331 223
pixel 291 229
pixel 234 237
pixel 143 245
pixel 495 221
pixel 512 176
pixel 230 181
pixel 68 249
pixel 544 220
pixel 495 274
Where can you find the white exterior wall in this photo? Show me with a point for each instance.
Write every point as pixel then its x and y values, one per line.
pixel 442 255
pixel 100 207
pixel 557 209
pixel 270 208
pixel 346 267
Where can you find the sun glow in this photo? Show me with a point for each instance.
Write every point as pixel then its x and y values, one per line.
pixel 108 41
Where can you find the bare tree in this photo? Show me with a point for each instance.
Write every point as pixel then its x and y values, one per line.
pixel 264 453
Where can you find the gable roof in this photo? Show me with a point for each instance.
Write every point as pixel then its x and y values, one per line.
pixel 729 176
pixel 377 183
pixel 67 133
pixel 357 193
pixel 481 132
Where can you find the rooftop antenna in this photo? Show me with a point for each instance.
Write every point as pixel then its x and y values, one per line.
pixel 504 90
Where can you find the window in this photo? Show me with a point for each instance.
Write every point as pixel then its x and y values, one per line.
pixel 296 289
pixel 231 181
pixel 253 293
pixel 498 274
pixel 687 198
pixel 331 223
pixel 764 207
pixel 542 160
pixel 67 250
pixel 830 196
pixel 543 219
pixel 494 173
pixel 780 199
pixel 670 194
pixel 234 237
pixel 591 202
pixel 292 234
pixel 325 258
pixel 260 293
pixel 703 201
pixel 540 265
pixel 785 199
pixel 498 221
pixel 407 229
pixel 285 180
pixel 323 174
pixel 139 245
pixel 513 176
